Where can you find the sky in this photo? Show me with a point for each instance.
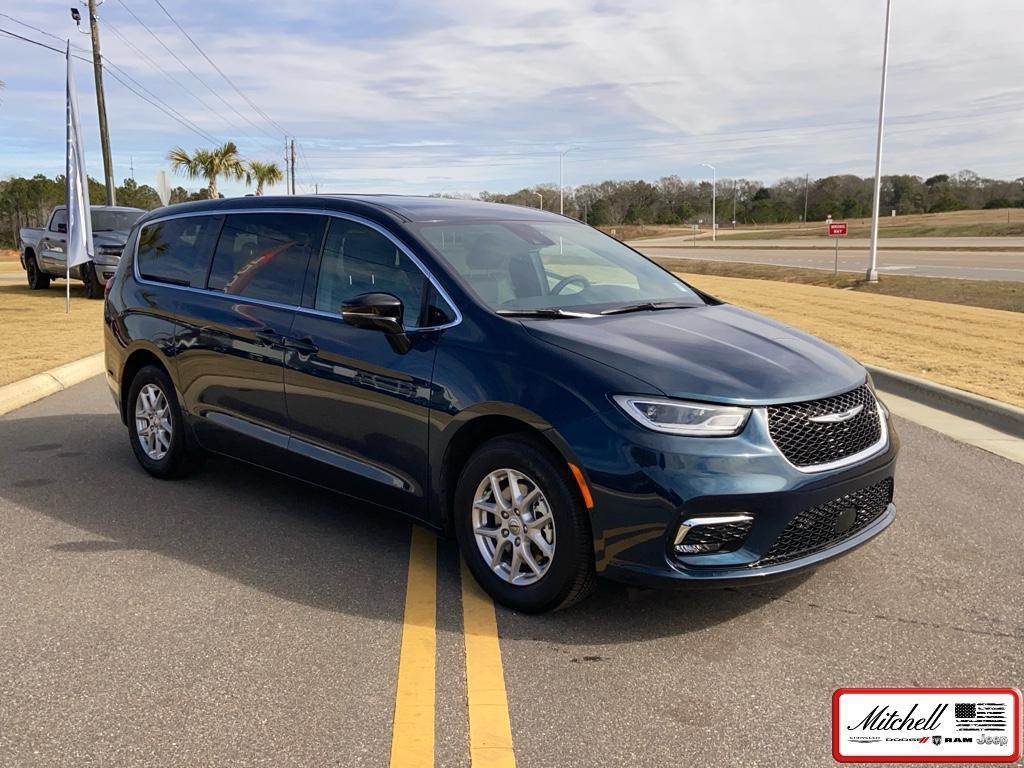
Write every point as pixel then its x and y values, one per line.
pixel 459 97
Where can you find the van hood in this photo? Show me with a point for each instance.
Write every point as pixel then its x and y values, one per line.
pixel 715 353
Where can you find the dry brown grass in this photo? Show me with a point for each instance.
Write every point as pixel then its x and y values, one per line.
pixel 37 334
pixel 971 348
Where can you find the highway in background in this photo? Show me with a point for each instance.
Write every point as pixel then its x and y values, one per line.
pixel 975 258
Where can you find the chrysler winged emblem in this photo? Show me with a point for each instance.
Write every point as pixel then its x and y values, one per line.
pixel 837 418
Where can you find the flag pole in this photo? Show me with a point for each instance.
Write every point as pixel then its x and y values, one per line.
pixel 67 190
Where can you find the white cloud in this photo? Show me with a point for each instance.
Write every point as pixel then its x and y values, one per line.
pixel 462 96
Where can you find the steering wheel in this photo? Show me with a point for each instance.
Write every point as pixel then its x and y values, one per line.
pixel 581 279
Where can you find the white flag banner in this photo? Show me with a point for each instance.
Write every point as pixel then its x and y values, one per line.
pixel 79 235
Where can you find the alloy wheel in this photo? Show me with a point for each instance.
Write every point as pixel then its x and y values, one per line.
pixel 153 422
pixel 513 527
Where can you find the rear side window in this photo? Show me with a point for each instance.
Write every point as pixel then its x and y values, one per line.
pixel 177 250
pixel 59 217
pixel 265 255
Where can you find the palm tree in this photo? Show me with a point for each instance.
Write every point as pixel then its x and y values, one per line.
pixel 262 173
pixel 209 164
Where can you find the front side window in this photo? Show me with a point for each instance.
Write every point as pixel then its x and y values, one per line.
pixel 264 255
pixel 358 259
pixel 541 265
pixel 176 250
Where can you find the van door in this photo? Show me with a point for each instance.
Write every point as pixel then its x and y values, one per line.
pixel 359 408
pixel 231 344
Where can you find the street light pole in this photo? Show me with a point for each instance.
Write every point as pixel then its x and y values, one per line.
pixel 561 164
pixel 872 273
pixel 714 200
pixel 538 194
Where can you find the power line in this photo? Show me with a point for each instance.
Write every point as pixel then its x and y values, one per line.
pixel 113 65
pixel 191 71
pixel 219 70
pixel 153 101
pixel 156 67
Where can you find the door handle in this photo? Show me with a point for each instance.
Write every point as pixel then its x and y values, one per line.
pixel 302 346
pixel 269 339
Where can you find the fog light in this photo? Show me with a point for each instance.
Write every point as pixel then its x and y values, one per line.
pixel 706 535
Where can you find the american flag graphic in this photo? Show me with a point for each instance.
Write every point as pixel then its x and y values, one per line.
pixel 980 716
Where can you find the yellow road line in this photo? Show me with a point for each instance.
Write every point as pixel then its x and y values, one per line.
pixel 490 729
pixel 412 735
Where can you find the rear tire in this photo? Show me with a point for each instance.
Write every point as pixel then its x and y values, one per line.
pixel 532 556
pixel 160 438
pixel 37 279
pixel 93 287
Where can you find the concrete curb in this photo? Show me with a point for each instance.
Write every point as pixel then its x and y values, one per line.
pixel 20 393
pixel 983 410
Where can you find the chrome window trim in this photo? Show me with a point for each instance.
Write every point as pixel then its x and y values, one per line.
pixel 305 310
pixel 867 453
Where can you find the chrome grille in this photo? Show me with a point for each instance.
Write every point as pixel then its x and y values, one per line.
pixel 807 443
pixel 815 528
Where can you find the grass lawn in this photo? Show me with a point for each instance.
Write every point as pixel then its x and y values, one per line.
pixel 39 335
pixel 991 294
pixel 1004 221
pixel 972 348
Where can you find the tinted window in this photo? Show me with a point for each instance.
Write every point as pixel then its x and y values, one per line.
pixel 358 259
pixel 59 217
pixel 264 255
pixel 177 250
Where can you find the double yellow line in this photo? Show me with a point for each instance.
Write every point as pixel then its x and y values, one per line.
pixel 490 729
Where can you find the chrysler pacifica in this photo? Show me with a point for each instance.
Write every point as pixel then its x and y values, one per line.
pixel 561 405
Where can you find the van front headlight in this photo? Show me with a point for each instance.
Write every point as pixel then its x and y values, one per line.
pixel 680 417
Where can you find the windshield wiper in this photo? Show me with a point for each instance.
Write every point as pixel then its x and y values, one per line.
pixel 646 306
pixel 543 312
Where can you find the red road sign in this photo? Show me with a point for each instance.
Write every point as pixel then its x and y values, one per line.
pixel 836 228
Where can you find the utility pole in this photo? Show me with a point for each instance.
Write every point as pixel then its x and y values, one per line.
pixel 293 166
pixel 872 273
pixel 734 203
pixel 101 103
pixel 807 179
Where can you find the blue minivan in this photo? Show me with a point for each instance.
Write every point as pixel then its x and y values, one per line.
pixel 559 403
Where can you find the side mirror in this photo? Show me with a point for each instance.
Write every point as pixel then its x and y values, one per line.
pixel 380 312
pixel 62 228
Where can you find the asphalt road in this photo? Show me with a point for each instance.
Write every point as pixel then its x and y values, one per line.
pixel 924 257
pixel 238 618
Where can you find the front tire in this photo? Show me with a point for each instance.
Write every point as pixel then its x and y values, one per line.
pixel 93 287
pixel 37 279
pixel 522 528
pixel 156 427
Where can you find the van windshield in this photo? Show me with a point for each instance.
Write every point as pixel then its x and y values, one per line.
pixel 516 266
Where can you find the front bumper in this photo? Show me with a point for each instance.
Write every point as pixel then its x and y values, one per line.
pixel 645 484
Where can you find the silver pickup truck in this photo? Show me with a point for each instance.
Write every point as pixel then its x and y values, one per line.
pixel 43 249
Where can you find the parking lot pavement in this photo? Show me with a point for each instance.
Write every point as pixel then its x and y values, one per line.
pixel 239 618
